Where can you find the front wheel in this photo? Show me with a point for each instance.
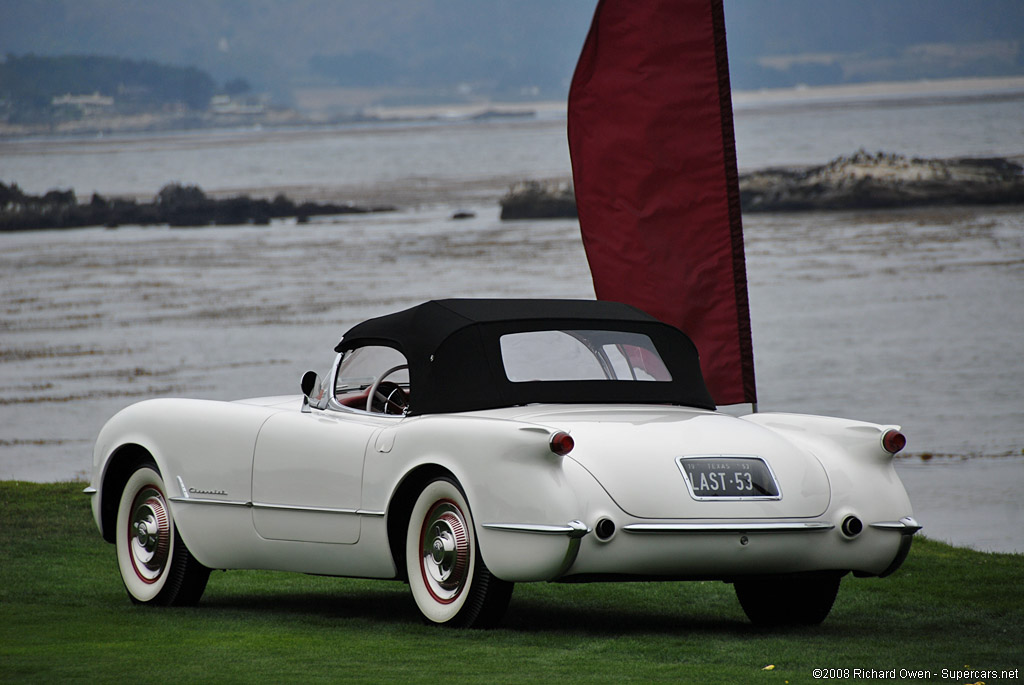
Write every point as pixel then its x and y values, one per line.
pixel 155 565
pixel 788 600
pixel 447 576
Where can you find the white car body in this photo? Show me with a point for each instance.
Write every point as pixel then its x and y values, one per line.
pixel 274 483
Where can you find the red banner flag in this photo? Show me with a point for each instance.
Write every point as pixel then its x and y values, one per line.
pixel 654 166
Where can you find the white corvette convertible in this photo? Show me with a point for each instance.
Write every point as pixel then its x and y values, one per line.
pixel 463 446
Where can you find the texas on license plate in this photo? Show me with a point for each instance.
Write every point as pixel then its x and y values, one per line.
pixel 728 477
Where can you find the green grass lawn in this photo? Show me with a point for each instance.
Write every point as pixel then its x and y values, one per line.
pixel 64 616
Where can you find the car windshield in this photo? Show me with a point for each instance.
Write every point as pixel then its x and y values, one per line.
pixel 361 366
pixel 576 355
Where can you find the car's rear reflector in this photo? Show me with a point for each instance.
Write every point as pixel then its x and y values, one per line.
pixel 561 443
pixel 893 441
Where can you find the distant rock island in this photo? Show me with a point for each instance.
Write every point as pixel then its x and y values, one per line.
pixel 175 205
pixel 884 180
pixel 539 200
pixel 859 181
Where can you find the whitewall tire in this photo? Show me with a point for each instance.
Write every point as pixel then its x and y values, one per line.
pixel 447 576
pixel 155 565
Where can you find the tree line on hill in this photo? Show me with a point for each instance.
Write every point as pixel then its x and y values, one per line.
pixel 33 87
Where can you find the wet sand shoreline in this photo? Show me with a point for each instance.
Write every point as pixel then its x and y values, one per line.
pixel 907 317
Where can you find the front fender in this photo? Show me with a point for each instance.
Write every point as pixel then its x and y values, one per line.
pixel 203 450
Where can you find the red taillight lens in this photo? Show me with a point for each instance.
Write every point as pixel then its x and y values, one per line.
pixel 893 441
pixel 561 443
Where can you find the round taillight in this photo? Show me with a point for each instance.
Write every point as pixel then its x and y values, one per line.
pixel 893 441
pixel 561 443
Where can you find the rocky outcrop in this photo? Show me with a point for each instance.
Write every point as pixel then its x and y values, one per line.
pixel 539 200
pixel 871 181
pixel 860 181
pixel 174 205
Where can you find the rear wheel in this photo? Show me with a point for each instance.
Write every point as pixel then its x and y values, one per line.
pixel 788 600
pixel 447 576
pixel 155 565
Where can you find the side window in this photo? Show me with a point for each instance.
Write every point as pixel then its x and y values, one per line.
pixel 636 362
pixel 581 355
pixel 548 355
pixel 382 370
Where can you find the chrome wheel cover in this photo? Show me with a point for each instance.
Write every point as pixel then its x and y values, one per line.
pixel 149 534
pixel 444 551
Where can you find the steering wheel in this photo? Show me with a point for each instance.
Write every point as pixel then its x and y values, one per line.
pixel 389 394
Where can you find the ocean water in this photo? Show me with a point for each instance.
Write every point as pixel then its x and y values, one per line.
pixel 911 317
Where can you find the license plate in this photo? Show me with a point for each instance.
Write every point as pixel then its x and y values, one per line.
pixel 728 478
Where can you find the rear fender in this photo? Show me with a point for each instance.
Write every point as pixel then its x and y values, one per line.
pixel 507 471
pixel 861 473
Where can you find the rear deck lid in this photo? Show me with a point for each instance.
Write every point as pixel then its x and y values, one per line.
pixel 672 463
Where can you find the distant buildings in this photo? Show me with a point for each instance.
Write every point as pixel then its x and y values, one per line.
pixel 85 104
pixel 230 104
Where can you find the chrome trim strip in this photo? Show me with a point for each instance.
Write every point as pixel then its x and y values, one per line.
pixel 90 491
pixel 336 406
pixel 573 529
pixel 536 429
pixel 712 528
pixel 200 500
pixel 579 528
pixel 278 507
pixel 905 526
pixel 294 507
pixel 573 549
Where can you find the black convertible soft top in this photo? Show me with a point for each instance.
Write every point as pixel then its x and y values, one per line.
pixel 455 364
